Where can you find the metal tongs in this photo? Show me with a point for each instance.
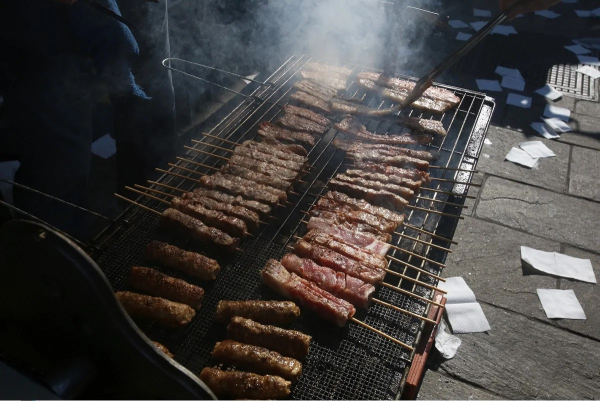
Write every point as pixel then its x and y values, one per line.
pixel 427 80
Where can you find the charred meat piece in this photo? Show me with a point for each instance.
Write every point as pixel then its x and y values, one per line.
pixel 249 217
pixel 358 216
pixel 311 101
pixel 377 197
pixel 160 310
pixel 282 152
pixel 403 192
pixel 264 168
pixel 320 67
pixel 315 89
pixel 267 312
pixel 420 124
pixel 348 288
pixel 160 285
pixel 163 349
pixel 281 195
pixel 320 238
pixel 263 179
pixel 213 218
pixel 390 150
pixel 191 263
pixel 190 227
pixel 223 197
pixel 350 237
pixel 338 219
pixel 358 131
pixel 398 161
pixel 338 262
pixel 297 123
pixel 432 92
pixel 269 130
pixel 331 79
pixel 257 359
pixel 398 96
pixel 287 342
pixel 306 113
pixel 361 204
pixel 410 173
pixel 307 293
pixel 391 179
pixel 234 385
pixel 257 154
pixel 291 148
pixel 343 106
pixel 221 183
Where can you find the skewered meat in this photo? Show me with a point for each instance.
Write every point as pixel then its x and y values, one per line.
pixel 338 219
pixel 257 359
pixel 326 240
pixel 160 285
pixel 350 237
pixel 257 154
pixel 160 310
pixel 411 173
pixel 190 263
pixel 213 218
pixel 333 80
pixel 355 129
pixel 189 227
pixel 287 342
pixel 361 204
pixel 269 130
pixel 403 192
pixel 348 288
pixel 163 349
pixel 338 262
pixel 281 195
pixel 233 200
pixel 398 96
pixel 432 92
pixel 398 161
pixel 343 106
pixel 420 124
pixel 247 174
pixel 291 148
pixel 234 385
pixel 264 168
pixel 356 146
pixel 268 312
pixel 308 294
pixel 357 216
pixel 297 123
pixel 306 113
pixel 377 197
pixel 315 89
pixel 281 151
pixel 316 66
pixel 249 217
pixel 215 181
pixel 311 101
pixel 392 179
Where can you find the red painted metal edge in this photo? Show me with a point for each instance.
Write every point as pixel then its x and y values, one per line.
pixel 417 367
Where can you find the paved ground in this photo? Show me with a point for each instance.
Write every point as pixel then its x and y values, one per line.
pixel 553 207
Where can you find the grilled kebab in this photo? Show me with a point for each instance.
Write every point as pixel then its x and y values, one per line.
pixel 242 385
pixel 191 263
pixel 268 312
pixel 160 310
pixel 161 285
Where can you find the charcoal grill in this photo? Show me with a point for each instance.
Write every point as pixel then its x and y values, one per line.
pixel 349 363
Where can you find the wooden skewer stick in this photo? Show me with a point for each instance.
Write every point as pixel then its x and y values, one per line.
pixel 428 233
pixel 454 181
pixel 446 192
pixel 208 153
pixel 171 195
pixel 435 212
pixel 388 305
pixel 167 186
pixel 441 201
pixel 381 333
pixel 410 294
pixel 138 204
pixel 219 138
pixel 453 169
pixel 416 256
pixel 214 146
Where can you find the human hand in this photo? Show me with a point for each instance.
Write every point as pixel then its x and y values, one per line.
pixel 526 6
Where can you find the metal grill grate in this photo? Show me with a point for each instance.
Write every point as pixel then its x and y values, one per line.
pixel 349 363
pixel 567 80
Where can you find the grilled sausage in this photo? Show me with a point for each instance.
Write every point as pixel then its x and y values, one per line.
pixel 268 312
pixel 287 342
pixel 257 359
pixel 161 285
pixel 164 349
pixel 243 385
pixel 190 263
pixel 159 310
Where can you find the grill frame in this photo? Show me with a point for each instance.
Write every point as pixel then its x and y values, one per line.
pixel 121 244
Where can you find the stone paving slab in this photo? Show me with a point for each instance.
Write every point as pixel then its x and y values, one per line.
pixel 520 358
pixel 588 295
pixel 583 180
pixel 549 172
pixel 436 386
pixel 540 212
pixel 586 131
pixel 488 257
pixel 587 108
